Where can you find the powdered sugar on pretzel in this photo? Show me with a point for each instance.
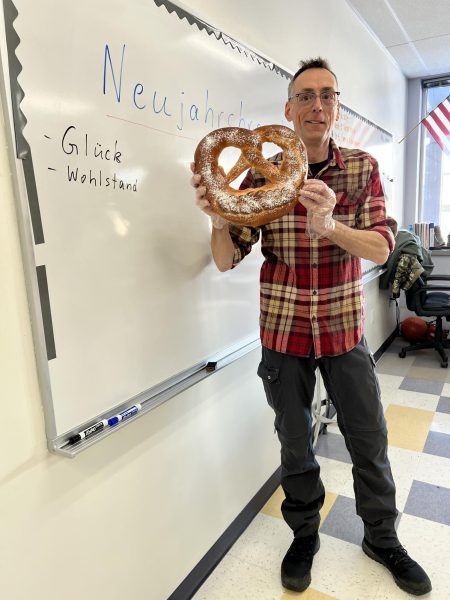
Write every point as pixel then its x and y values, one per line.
pixel 254 206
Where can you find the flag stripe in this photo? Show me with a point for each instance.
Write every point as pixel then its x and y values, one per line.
pixel 436 133
pixel 435 136
pixel 445 108
pixel 444 139
pixel 439 122
pixel 443 113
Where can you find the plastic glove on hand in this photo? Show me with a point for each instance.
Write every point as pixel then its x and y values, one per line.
pixel 319 201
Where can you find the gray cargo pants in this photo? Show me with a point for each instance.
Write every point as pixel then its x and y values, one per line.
pixel 352 384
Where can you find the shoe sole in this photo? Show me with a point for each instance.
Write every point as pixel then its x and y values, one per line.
pixel 286 583
pixel 400 584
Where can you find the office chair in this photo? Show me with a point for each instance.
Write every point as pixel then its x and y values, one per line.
pixel 429 300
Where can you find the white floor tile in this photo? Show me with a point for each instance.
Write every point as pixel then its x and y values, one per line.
pixel 429 544
pixel 263 543
pixel 413 399
pixel 404 465
pixel 336 476
pixel 434 470
pixel 234 579
pixel 441 422
pixel 389 382
pixel 446 390
pixel 342 570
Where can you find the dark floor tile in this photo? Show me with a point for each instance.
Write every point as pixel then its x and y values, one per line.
pixel 443 405
pixel 343 523
pixel 395 347
pixel 332 445
pixel 427 358
pixel 426 386
pixel 429 502
pixel 438 444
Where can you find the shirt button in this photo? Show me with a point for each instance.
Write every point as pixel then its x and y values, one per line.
pixel 314 292
pixel 313 317
pixel 314 265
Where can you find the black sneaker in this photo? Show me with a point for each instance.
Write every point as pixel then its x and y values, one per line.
pixel 408 575
pixel 296 565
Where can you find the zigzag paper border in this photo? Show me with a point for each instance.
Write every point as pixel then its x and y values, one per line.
pixel 220 35
pixel 15 68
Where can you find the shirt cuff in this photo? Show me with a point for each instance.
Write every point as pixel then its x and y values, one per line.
pixel 386 232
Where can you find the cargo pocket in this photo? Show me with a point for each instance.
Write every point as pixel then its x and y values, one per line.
pixel 374 373
pixel 271 381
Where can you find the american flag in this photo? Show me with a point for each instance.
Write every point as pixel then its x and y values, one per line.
pixel 438 124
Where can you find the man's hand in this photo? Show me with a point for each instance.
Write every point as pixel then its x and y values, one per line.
pixel 319 201
pixel 221 243
pixel 217 221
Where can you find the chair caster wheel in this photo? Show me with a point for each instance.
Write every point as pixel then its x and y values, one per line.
pixel 444 365
pixel 402 354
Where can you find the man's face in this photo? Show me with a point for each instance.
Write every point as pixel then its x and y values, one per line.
pixel 313 123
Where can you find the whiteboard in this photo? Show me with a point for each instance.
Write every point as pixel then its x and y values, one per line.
pixel 126 297
pixel 116 101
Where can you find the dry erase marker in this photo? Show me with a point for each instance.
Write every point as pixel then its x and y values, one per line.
pixel 125 414
pixel 92 430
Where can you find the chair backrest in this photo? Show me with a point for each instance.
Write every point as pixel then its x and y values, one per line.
pixel 415 300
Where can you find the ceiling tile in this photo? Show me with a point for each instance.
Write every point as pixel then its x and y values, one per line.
pixel 380 20
pixel 416 32
pixel 423 18
pixel 436 54
pixel 408 61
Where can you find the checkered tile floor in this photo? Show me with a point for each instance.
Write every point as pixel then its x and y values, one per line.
pixel 416 399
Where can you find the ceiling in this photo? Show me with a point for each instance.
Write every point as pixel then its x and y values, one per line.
pixel 415 32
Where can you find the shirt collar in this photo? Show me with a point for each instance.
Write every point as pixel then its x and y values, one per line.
pixel 336 158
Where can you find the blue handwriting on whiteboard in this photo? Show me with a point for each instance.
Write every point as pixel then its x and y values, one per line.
pixel 113 71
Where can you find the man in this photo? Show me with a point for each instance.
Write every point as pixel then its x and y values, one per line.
pixel 312 316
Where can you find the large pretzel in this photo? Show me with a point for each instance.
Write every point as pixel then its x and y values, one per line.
pixel 253 206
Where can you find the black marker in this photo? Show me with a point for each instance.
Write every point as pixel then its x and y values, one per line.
pixel 92 430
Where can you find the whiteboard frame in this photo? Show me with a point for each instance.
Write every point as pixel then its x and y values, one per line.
pixel 17 152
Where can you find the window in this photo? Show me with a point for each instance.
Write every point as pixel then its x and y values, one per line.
pixel 435 192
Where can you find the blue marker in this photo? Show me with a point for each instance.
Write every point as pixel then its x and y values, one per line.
pixel 86 433
pixel 125 414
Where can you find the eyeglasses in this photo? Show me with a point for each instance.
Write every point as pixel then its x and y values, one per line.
pixel 328 98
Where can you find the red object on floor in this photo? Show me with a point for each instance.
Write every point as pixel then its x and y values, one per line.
pixel 414 328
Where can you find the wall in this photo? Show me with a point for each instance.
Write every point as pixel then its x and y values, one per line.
pixel 412 153
pixel 379 316
pixel 134 514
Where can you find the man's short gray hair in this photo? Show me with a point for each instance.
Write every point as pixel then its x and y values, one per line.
pixel 311 63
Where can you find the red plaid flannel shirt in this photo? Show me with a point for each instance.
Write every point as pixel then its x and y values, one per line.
pixel 311 291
